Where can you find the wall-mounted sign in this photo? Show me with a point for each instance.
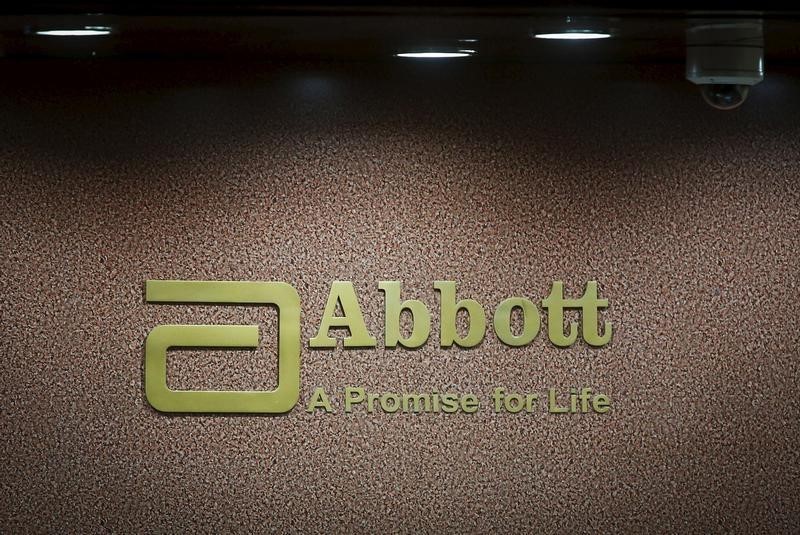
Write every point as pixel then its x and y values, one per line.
pixel 343 294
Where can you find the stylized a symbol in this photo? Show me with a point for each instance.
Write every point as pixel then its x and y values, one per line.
pixel 161 338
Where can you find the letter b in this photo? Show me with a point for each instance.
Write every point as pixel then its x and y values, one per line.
pixel 421 329
pixel 449 313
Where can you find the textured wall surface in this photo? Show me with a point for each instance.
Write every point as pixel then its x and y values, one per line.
pixel 502 177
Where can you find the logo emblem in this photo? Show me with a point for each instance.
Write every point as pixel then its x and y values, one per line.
pixel 164 337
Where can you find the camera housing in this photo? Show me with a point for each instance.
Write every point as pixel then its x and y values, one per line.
pixel 725 58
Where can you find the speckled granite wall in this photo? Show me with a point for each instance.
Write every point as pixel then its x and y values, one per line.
pixel 502 177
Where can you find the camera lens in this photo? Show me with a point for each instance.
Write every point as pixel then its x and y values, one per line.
pixel 725 96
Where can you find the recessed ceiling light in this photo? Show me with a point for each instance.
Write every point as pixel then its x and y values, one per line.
pixel 87 31
pixel 574 35
pixel 436 54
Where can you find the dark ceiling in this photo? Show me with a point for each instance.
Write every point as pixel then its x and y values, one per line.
pixel 197 7
pixel 370 30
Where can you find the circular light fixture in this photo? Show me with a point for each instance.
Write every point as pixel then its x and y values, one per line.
pixel 463 53
pixel 86 31
pixel 573 35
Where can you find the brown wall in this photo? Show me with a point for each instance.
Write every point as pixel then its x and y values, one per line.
pixel 501 177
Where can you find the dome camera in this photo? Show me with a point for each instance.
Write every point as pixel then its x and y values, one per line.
pixel 725 59
pixel 725 96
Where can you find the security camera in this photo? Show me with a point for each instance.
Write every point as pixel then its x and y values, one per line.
pixel 725 58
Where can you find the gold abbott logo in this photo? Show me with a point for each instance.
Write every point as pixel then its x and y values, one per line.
pixel 164 337
pixel 343 294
